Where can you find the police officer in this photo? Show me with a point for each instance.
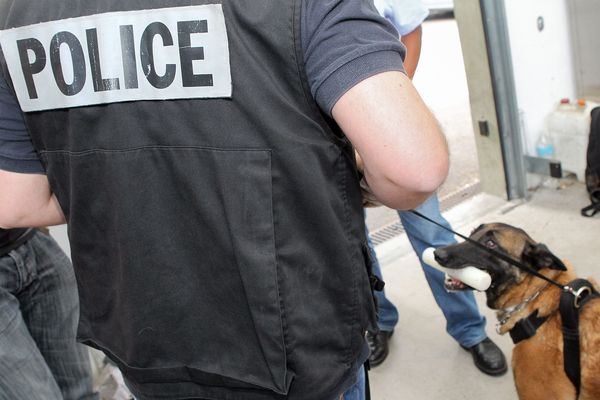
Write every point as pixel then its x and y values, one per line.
pixel 202 156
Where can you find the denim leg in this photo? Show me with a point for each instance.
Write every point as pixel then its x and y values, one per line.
pixel 23 371
pixel 45 290
pixel 387 313
pixel 357 391
pixel 463 320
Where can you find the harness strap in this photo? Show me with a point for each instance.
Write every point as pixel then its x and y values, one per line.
pixel 527 327
pixel 590 210
pixel 570 304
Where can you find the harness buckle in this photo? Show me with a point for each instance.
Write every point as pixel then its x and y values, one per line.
pixel 581 294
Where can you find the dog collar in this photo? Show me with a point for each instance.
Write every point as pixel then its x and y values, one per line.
pixel 507 313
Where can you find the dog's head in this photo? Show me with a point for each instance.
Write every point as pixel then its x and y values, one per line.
pixel 513 242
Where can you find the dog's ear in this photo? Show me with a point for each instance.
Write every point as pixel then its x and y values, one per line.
pixel 476 229
pixel 538 256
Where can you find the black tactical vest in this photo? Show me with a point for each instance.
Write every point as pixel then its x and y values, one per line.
pixel 215 217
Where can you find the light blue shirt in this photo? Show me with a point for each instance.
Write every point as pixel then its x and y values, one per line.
pixel 405 15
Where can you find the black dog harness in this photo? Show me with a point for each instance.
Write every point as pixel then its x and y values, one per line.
pixel 580 292
pixel 583 292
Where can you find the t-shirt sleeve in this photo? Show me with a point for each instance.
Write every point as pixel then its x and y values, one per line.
pixel 16 150
pixel 345 42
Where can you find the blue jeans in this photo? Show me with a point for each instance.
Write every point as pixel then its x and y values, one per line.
pixel 357 391
pixel 39 356
pixel 463 320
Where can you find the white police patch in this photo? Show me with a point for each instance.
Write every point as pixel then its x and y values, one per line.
pixel 168 53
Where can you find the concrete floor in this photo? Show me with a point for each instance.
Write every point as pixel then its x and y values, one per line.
pixel 426 363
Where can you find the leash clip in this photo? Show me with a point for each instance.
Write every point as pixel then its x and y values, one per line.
pixel 579 294
pixel 498 327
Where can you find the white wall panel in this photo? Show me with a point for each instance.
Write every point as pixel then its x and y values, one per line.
pixel 542 60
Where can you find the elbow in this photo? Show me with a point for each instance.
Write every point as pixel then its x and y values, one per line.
pixel 426 181
pixel 434 173
pixel 425 188
pixel 426 175
pixel 409 185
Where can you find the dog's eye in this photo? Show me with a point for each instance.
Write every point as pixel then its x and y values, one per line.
pixel 490 244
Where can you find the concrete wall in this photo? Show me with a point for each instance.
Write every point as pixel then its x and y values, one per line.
pixel 481 96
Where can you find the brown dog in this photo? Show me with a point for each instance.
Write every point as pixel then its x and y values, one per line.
pixel 537 362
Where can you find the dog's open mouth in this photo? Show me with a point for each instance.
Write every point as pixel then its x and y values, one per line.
pixel 454 285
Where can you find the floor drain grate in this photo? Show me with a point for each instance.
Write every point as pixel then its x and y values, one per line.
pixel 386 233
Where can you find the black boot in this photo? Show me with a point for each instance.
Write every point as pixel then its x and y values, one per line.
pixel 379 346
pixel 488 357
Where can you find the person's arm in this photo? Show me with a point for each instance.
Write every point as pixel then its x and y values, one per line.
pixel 403 149
pixel 412 43
pixel 27 201
pixel 25 196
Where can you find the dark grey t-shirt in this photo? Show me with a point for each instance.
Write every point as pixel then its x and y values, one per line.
pixel 344 42
pixel 16 150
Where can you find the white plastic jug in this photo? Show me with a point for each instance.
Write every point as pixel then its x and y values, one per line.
pixel 569 129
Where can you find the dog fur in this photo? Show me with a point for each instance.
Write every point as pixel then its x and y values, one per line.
pixel 537 362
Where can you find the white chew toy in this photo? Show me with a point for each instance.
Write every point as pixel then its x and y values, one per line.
pixel 471 276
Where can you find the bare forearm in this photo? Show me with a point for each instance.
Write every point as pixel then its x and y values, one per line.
pixel 27 201
pixel 412 42
pixel 47 214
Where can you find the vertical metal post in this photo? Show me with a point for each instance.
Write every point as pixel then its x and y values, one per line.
pixel 501 68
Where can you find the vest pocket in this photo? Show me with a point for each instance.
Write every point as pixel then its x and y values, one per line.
pixel 175 257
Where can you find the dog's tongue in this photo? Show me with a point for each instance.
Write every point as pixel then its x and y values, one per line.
pixel 454 285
